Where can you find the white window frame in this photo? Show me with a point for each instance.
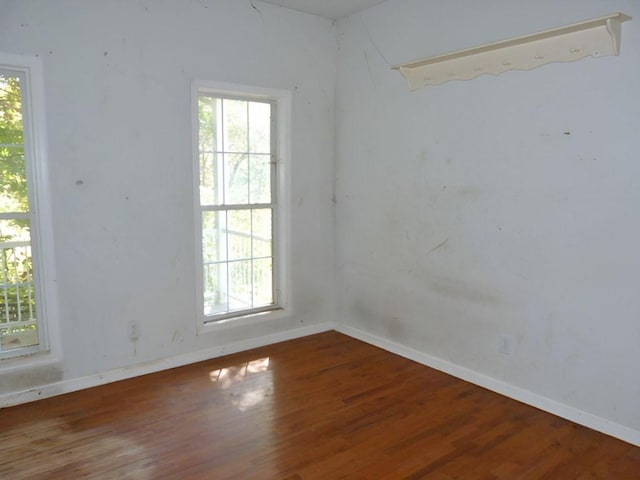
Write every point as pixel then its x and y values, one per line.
pixel 281 264
pixel 41 223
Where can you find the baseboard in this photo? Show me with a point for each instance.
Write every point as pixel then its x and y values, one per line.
pixel 543 403
pixel 75 384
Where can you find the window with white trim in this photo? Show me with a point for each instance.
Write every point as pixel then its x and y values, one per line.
pixel 22 327
pixel 240 252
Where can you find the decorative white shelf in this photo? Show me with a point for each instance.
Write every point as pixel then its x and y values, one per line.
pixel 598 38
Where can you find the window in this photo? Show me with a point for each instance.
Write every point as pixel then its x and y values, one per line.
pixel 238 196
pixel 22 327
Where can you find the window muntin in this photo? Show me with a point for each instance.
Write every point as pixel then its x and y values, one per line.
pixel 20 331
pixel 237 202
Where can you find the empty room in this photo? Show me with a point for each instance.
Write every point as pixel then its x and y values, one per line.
pixel 313 239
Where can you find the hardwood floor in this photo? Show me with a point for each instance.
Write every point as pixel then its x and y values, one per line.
pixel 321 407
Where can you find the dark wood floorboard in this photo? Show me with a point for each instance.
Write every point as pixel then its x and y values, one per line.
pixel 320 407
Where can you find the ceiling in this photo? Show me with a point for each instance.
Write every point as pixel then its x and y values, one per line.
pixel 327 8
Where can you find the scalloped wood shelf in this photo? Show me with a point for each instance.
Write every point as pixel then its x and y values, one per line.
pixel 597 38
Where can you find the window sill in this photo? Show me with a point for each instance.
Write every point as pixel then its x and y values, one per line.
pixel 243 321
pixel 28 360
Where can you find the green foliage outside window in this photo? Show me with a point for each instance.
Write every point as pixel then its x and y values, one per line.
pixel 17 295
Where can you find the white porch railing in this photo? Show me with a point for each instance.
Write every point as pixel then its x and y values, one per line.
pixel 17 289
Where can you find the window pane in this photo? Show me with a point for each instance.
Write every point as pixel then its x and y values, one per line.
pixel 260 178
pixel 260 127
pixel 239 234
pixel 210 191
pixel 215 288
pixel 15 230
pixel 214 239
pixel 262 231
pixel 16 283
pixel 13 180
pixel 235 126
pixel 209 132
pixel 11 128
pixel 262 282
pixel 236 179
pixel 240 285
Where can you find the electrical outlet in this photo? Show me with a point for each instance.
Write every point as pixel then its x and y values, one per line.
pixel 134 330
pixel 506 344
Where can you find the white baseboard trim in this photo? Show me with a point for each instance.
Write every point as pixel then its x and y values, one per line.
pixel 543 403
pixel 75 384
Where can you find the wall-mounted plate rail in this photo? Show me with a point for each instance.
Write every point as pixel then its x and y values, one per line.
pixel 598 38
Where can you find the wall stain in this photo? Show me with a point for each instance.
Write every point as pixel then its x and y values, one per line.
pixel 23 379
pixel 466 191
pixel 394 328
pixel 460 290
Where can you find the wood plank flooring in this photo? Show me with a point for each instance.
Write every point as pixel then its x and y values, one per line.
pixel 320 407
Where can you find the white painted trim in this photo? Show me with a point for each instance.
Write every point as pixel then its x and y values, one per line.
pixel 543 403
pixel 75 384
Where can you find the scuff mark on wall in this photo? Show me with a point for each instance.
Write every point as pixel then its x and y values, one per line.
pixel 440 245
pixel 177 336
pixel 465 191
pixel 253 5
pixel 375 46
pixel 366 59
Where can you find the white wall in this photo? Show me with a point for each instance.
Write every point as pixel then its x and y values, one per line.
pixel 502 205
pixel 117 85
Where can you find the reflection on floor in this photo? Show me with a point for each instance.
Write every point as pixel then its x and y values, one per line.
pixel 263 384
